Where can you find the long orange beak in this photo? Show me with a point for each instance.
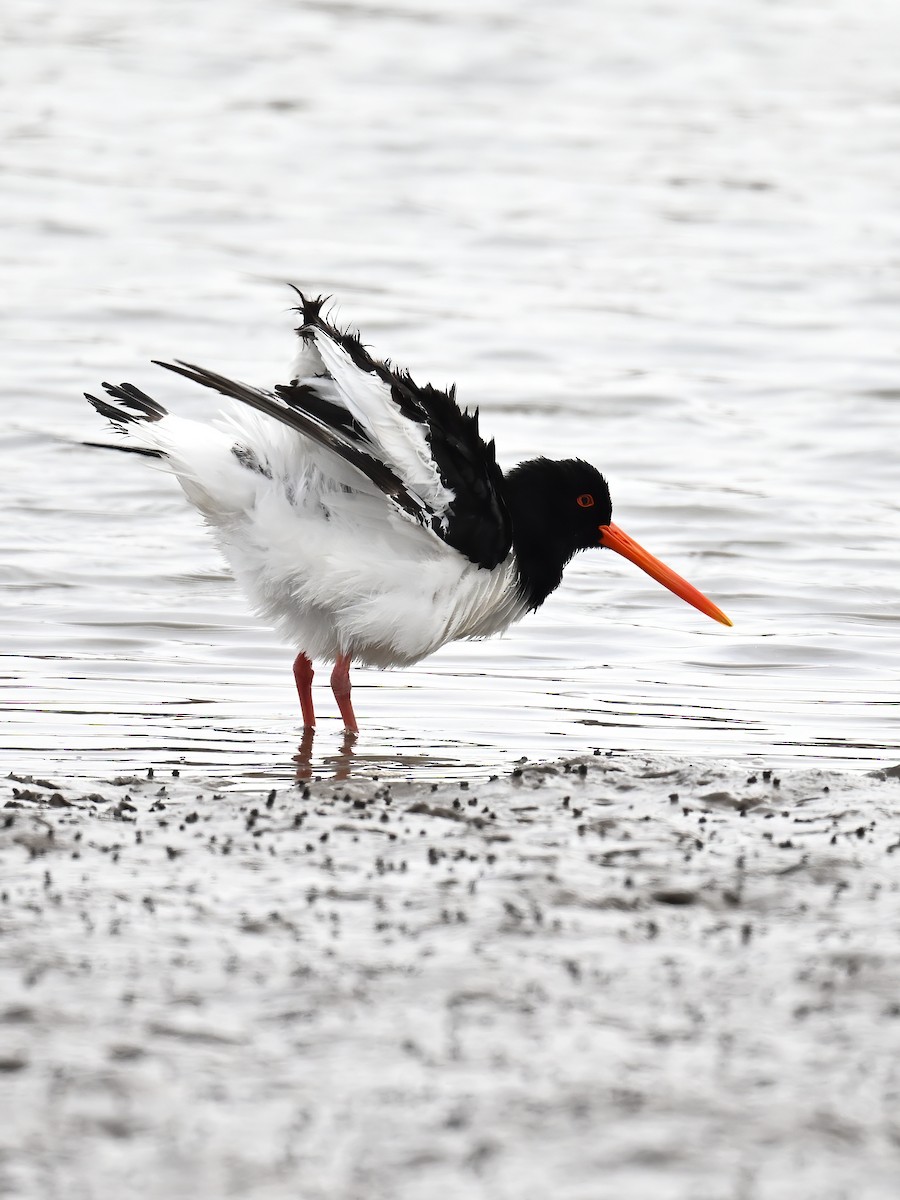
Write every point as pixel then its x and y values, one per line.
pixel 615 539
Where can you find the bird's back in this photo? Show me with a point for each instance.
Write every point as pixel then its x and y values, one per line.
pixel 332 499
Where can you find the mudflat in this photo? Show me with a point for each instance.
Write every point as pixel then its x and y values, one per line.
pixel 607 976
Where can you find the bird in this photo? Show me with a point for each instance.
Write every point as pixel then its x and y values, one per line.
pixel 364 515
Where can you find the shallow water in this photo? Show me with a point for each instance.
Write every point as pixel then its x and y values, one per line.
pixel 665 239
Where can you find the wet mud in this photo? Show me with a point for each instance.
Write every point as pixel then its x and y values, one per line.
pixel 609 976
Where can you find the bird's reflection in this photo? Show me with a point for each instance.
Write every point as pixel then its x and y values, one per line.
pixel 340 765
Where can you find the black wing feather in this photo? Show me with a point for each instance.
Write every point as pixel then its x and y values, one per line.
pixel 478 524
pixel 305 398
pixel 335 440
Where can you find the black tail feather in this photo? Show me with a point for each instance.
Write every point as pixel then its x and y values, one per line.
pixel 116 415
pixel 133 405
pixel 125 448
pixel 144 406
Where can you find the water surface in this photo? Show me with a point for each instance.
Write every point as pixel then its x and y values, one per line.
pixel 629 235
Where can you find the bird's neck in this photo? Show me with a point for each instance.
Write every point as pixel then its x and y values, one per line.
pixel 541 554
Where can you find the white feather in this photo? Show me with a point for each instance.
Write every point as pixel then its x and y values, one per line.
pixel 400 441
pixel 319 549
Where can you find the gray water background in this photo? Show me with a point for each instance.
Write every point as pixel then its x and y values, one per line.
pixel 663 237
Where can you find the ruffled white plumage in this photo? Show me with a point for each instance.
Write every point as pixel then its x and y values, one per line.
pixel 368 399
pixel 365 516
pixel 322 553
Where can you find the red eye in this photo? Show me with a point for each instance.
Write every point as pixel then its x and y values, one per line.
pixel 586 500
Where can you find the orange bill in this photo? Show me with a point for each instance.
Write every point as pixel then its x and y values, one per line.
pixel 613 537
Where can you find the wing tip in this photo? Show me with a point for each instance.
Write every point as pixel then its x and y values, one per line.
pixel 310 310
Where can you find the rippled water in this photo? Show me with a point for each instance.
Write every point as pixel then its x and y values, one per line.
pixel 665 238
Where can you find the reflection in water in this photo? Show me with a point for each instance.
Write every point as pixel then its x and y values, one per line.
pixel 689 326
pixel 339 765
pixel 303 757
pixel 348 762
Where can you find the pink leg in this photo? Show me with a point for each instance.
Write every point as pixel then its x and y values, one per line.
pixel 340 685
pixel 303 677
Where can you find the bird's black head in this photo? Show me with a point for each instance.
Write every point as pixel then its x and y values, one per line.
pixel 557 509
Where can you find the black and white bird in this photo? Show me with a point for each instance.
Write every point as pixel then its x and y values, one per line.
pixel 365 516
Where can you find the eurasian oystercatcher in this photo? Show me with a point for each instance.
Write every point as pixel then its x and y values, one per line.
pixel 365 516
